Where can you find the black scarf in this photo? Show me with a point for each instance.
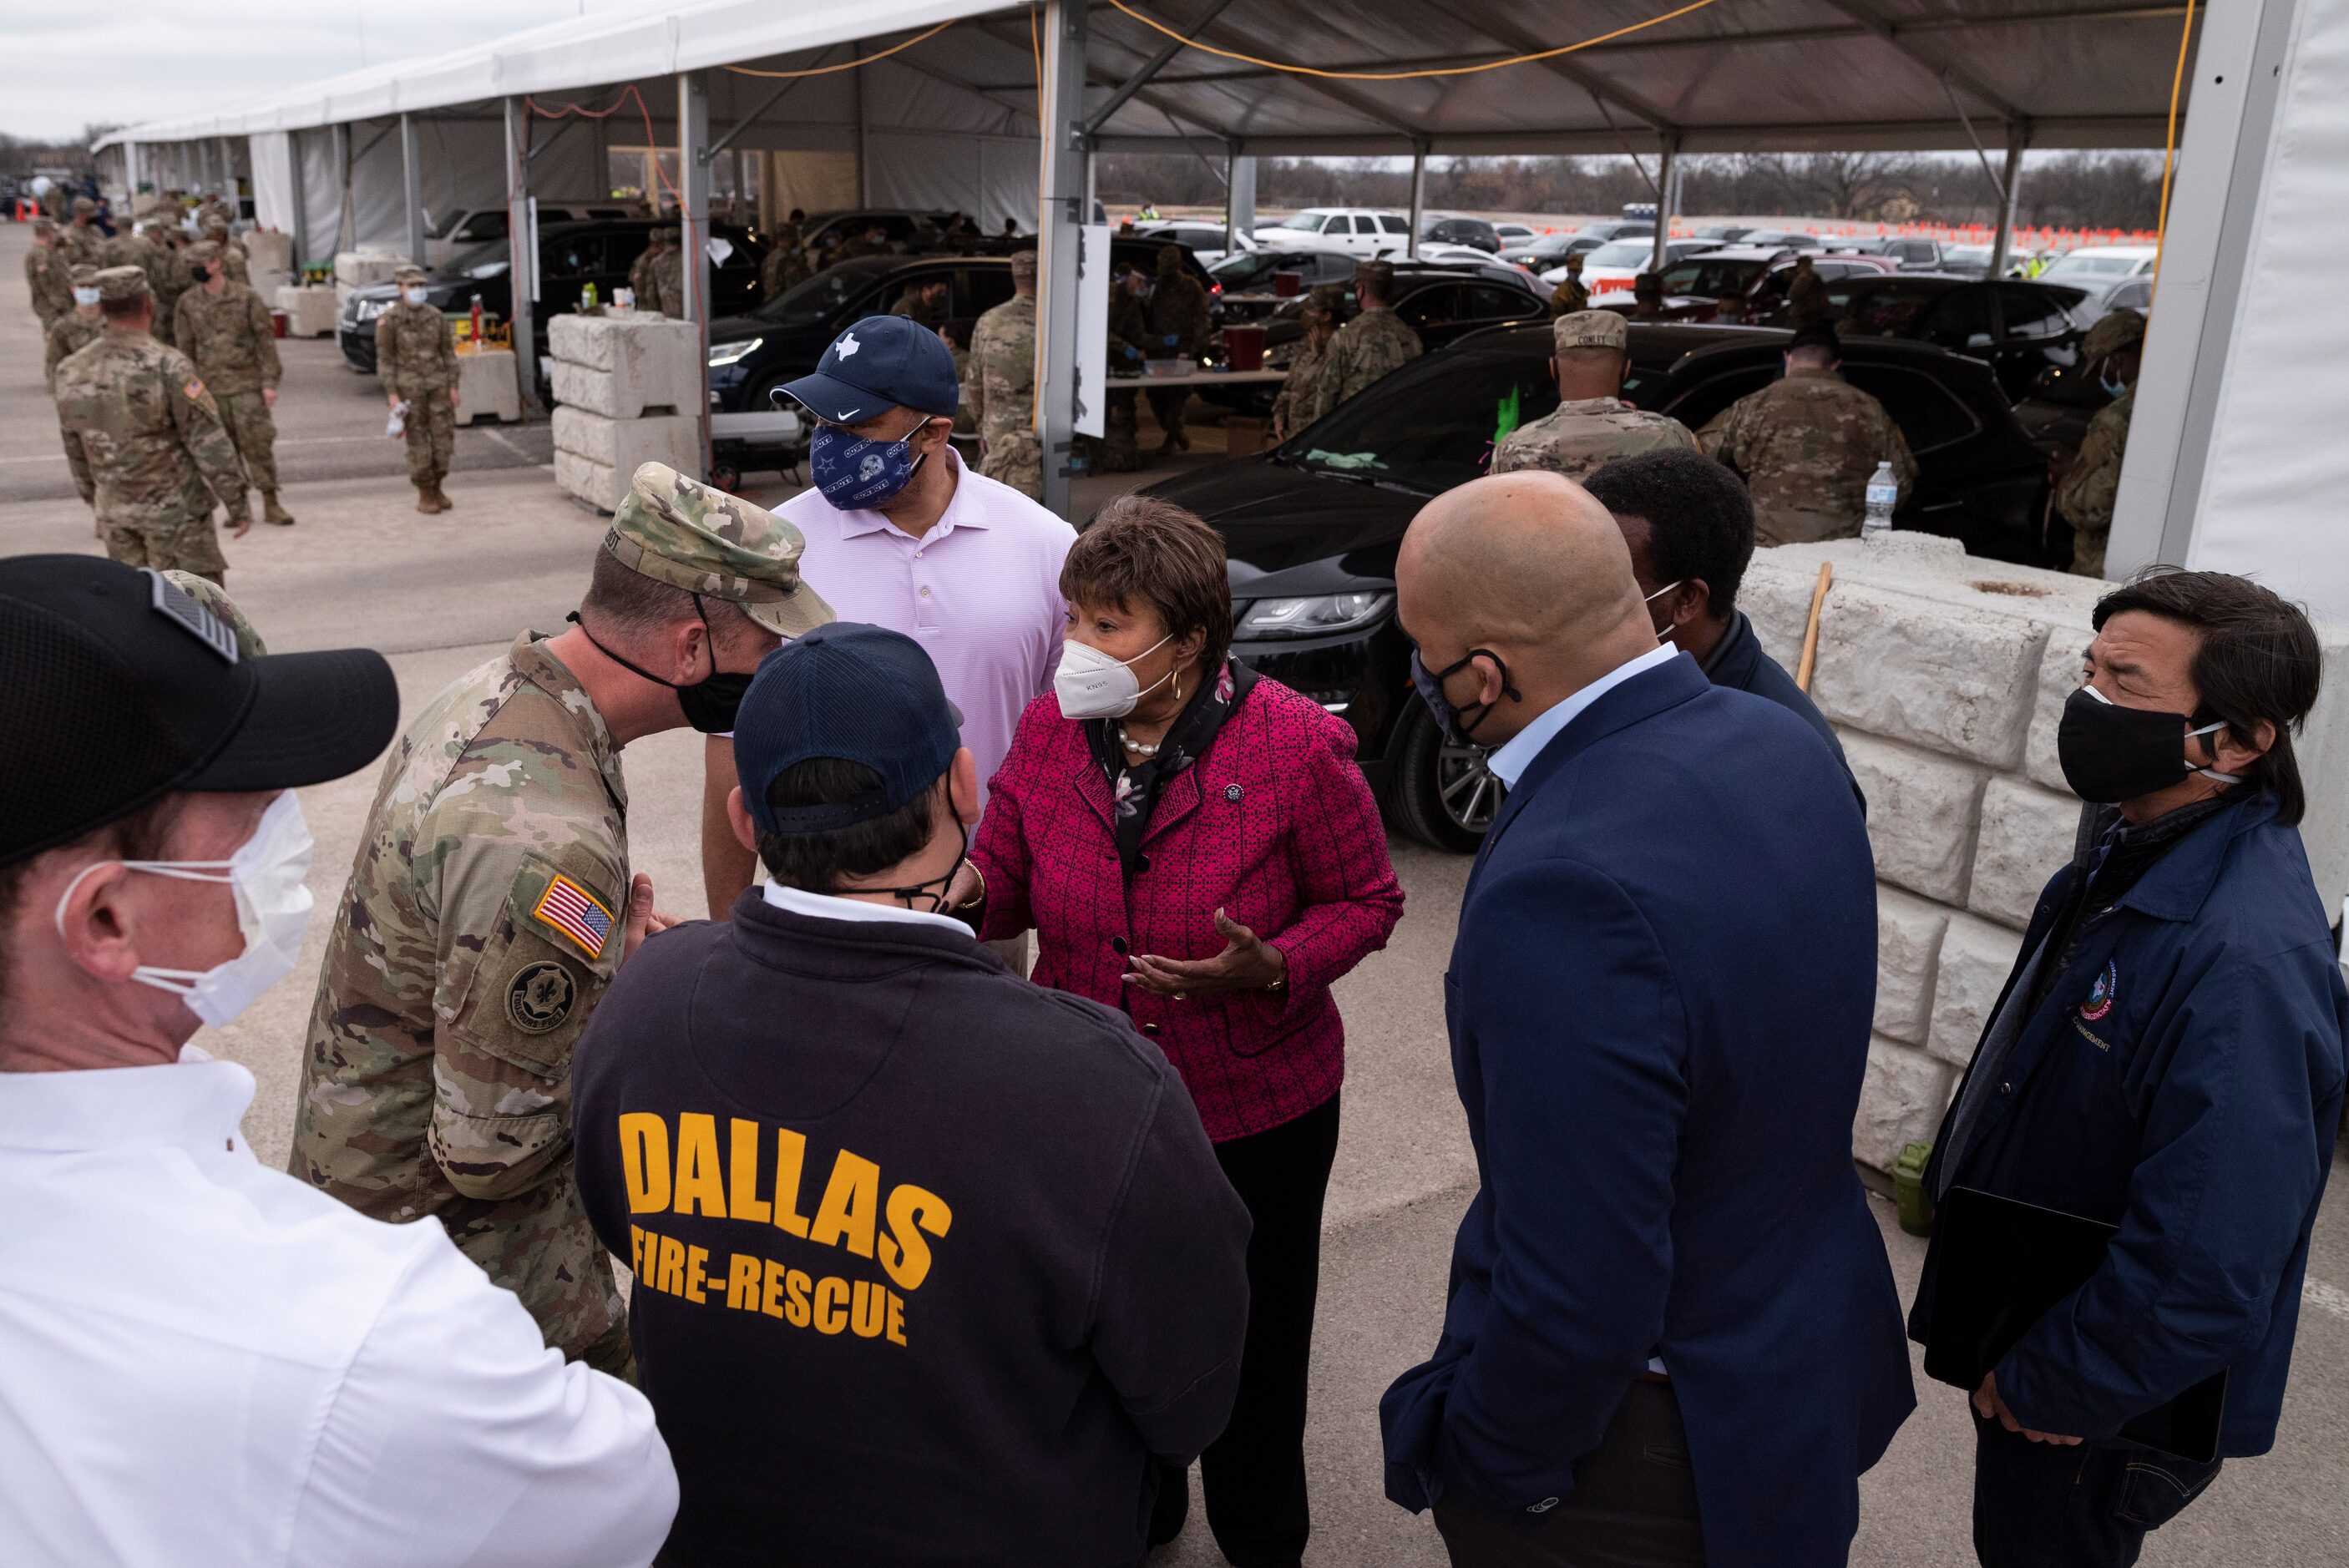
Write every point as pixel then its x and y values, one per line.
pixel 1134 786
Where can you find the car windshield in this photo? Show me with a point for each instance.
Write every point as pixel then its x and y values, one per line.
pixel 1621 253
pixel 2079 266
pixel 1430 425
pixel 1708 277
pixel 489 261
pixel 1883 307
pixel 1303 223
pixel 1252 269
pixel 821 296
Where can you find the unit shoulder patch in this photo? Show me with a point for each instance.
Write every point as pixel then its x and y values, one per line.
pixel 576 916
pixel 540 998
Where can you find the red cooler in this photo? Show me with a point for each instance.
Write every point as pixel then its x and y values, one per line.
pixel 1244 347
pixel 1287 286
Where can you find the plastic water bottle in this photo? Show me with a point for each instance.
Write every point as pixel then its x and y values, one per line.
pixel 1883 495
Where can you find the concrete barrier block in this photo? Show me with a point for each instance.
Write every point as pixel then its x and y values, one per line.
pixel 1940 675
pixel 625 365
pixel 2026 834
pixel 1777 597
pixel 1923 811
pixel 1908 944
pixel 357 269
pixel 587 480
pixel 486 385
pixel 2059 677
pixel 267 283
pixel 309 313
pixel 624 445
pixel 1976 957
pixel 1900 1102
pixel 268 251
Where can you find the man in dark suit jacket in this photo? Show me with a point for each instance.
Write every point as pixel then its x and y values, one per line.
pixel 1672 1335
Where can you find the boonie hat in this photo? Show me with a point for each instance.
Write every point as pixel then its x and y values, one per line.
pixel 682 532
pixel 120 283
pixel 854 693
pixel 882 362
pixel 122 689
pixel 2114 333
pixel 1589 329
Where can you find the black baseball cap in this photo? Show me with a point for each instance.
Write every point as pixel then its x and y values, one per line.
pixel 851 691
pixel 881 363
pixel 121 689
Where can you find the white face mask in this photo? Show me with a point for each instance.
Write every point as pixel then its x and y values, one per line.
pixel 272 911
pixel 85 296
pixel 1092 684
pixel 412 295
pixel 1666 635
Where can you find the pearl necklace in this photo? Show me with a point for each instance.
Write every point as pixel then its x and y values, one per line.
pixel 1134 745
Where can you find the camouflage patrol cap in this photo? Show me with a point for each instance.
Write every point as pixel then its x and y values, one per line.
pixel 216 224
pixel 84 204
pixel 44 226
pixel 1380 275
pixel 410 273
pixel 682 532
pixel 204 250
pixel 120 283
pixel 1023 266
pixel 2117 333
pixel 672 236
pixel 82 276
pixel 1327 299
pixel 1590 329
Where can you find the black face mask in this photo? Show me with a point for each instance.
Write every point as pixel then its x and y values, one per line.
pixel 711 703
pixel 2110 753
pixel 1459 727
pixel 201 273
pixel 945 884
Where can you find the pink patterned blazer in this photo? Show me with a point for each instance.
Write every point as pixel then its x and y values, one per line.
pixel 1274 825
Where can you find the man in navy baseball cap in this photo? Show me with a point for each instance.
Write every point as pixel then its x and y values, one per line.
pixel 882 362
pixel 861 1167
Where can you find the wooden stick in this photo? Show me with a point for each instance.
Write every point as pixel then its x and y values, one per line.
pixel 1811 629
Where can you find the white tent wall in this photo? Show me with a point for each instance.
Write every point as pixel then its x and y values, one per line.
pixel 272 155
pixel 321 188
pixel 990 178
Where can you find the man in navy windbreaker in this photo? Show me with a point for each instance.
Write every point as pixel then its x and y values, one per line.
pixel 2166 1057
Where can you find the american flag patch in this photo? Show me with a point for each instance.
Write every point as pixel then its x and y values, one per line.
pixel 575 912
pixel 195 390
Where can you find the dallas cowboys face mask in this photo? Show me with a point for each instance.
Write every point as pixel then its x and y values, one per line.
pixel 857 471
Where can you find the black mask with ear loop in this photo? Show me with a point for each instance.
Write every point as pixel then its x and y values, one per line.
pixel 711 703
pixel 945 884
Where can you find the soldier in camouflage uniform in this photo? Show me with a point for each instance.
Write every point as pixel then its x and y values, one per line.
pixel 999 385
pixel 1180 321
pixel 416 360
pixel 167 274
pixel 490 902
pixel 1571 294
pixel 923 303
pixel 640 271
pixel 785 266
pixel 48 274
pixel 1300 402
pixel 1129 346
pixel 668 275
pixel 1372 343
pixel 226 329
pixel 1592 425
pixel 73 330
pixel 1806 446
pixel 2113 349
pixel 232 254
pixel 145 442
pixel 1808 304
pixel 82 240
pixel 873 241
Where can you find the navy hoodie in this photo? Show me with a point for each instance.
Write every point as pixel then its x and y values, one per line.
pixel 930 1261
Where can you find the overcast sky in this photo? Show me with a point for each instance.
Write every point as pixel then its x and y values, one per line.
pixel 129 60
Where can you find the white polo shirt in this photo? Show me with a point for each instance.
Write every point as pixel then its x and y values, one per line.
pixel 203 1361
pixel 980 591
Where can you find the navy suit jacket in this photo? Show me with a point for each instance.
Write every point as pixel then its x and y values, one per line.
pixel 1659 1004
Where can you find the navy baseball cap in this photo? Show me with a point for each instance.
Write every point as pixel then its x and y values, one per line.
pixel 881 363
pixel 851 691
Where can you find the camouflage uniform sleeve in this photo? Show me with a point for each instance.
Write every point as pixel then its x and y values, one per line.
pixel 1679 432
pixel 1720 437
pixel 198 419
pixel 1200 324
pixel 77 460
pixel 1904 463
pixel 516 982
pixel 974 374
pixel 184 315
pixel 445 348
pixel 388 353
pixel 265 334
pixel 2086 497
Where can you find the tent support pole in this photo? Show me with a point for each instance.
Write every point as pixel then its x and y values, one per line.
pixel 693 173
pixel 1231 193
pixel 1061 143
pixel 2010 193
pixel 521 269
pixel 301 193
pixel 1418 192
pixel 1147 70
pixel 1668 200
pixel 863 164
pixel 345 227
pixel 412 177
pixel 1241 195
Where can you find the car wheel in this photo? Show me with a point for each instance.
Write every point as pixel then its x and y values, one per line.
pixel 1440 793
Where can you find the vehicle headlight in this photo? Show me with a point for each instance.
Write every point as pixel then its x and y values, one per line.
pixel 1318 616
pixel 368 309
pixel 733 353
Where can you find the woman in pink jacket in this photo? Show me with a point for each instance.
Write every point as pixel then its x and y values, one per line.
pixel 1194 844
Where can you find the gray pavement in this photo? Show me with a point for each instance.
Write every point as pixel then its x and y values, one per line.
pixel 439 594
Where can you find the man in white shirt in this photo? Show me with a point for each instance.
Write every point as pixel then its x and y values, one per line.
pixel 204 1360
pixel 901 534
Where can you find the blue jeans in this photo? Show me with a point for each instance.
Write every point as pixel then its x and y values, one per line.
pixel 2040 1505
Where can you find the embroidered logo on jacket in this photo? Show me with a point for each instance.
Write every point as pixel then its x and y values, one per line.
pixel 2101 994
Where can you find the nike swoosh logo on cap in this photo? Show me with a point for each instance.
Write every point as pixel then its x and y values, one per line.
pixel 849 415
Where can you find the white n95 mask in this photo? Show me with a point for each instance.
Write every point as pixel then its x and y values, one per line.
pixel 1092 684
pixel 272 910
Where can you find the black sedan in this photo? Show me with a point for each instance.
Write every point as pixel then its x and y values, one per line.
pixel 753 353
pixel 571 256
pixel 1312 527
pixel 2023 329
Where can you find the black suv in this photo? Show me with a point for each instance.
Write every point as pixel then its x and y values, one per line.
pixel 2023 329
pixel 1312 526
pixel 570 257
pixel 756 351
